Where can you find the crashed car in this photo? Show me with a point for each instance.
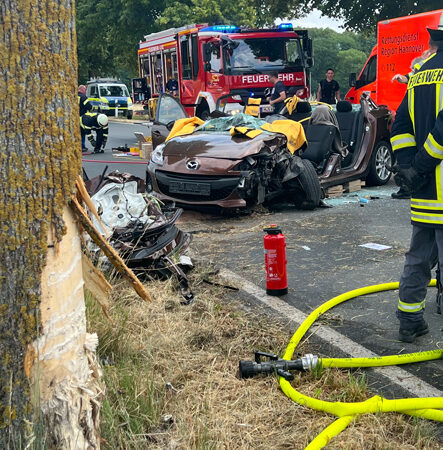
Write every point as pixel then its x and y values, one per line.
pixel 215 167
pixel 212 167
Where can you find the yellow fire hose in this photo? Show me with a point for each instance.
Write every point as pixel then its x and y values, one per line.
pixel 428 408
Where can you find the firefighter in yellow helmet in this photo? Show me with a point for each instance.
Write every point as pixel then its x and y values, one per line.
pixel 92 121
pixel 417 142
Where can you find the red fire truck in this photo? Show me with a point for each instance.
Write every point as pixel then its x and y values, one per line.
pixel 205 62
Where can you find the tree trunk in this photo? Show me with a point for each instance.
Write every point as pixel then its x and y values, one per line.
pixel 44 372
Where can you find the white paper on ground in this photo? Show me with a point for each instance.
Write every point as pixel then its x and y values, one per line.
pixel 373 246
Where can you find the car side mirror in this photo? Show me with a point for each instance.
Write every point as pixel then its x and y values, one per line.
pixel 352 79
pixel 207 67
pixel 309 61
pixel 170 124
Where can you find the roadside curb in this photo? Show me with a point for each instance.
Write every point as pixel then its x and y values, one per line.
pixel 400 377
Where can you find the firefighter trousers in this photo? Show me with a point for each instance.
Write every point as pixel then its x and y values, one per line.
pixel 425 251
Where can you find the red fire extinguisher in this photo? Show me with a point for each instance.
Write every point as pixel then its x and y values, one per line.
pixel 275 261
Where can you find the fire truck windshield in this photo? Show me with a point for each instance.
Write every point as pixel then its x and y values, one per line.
pixel 257 54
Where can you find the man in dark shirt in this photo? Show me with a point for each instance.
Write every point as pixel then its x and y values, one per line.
pixel 278 93
pixel 328 89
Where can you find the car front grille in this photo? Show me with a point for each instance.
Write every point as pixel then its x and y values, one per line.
pixel 207 188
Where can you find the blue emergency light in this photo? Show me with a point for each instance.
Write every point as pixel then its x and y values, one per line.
pixel 221 28
pixel 286 26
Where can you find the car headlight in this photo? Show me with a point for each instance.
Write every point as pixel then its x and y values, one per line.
pixel 157 155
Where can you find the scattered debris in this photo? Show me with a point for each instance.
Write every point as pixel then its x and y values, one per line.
pixel 139 229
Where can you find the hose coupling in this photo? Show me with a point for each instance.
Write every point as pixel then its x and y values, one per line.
pixel 309 361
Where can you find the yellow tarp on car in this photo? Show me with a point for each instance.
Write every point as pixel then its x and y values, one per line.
pixel 294 132
pixel 184 126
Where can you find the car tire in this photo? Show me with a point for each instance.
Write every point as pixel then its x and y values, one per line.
pixel 129 115
pixel 381 159
pixel 311 187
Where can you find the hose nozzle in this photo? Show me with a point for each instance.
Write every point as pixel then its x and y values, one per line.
pixel 249 369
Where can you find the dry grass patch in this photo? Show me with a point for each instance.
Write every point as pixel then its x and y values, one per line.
pixel 172 383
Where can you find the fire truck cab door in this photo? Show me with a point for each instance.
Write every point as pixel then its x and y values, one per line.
pixel 168 111
pixel 189 66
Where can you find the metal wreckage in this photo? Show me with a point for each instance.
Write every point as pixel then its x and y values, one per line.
pixel 140 228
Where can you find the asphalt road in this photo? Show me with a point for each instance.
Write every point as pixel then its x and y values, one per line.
pixel 120 133
pixel 325 259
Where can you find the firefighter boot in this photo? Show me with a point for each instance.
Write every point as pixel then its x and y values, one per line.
pixel 410 330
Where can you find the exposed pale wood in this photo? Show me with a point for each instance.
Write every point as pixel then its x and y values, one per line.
pixel 111 254
pixel 96 284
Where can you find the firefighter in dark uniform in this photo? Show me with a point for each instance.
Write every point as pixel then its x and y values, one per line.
pixel 84 105
pixel 92 121
pixel 417 142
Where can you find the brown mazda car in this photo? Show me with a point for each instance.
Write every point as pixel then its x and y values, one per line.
pixel 212 168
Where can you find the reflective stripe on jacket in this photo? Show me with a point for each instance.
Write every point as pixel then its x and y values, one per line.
pixel 84 104
pixel 417 138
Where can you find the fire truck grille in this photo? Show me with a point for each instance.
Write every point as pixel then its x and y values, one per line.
pixel 195 188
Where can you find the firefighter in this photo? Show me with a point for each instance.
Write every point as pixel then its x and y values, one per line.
pixel 417 141
pixel 92 121
pixel 84 105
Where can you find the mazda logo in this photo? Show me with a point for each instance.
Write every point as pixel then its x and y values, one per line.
pixel 192 165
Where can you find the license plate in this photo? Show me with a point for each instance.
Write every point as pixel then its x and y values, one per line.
pixel 266 108
pixel 185 187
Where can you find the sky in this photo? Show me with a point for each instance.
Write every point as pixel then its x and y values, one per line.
pixel 315 20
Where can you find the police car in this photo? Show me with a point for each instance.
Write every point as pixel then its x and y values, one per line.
pixel 108 95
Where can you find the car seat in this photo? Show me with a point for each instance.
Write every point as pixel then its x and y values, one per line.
pixel 351 128
pixel 302 111
pixel 320 139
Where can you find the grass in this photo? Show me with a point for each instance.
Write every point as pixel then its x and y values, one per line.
pixel 171 380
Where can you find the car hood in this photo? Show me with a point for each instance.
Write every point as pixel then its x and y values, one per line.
pixel 220 145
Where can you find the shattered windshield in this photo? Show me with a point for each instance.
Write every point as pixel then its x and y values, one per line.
pixel 226 123
pixel 253 55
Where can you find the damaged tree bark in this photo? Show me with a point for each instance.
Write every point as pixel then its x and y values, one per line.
pixel 48 372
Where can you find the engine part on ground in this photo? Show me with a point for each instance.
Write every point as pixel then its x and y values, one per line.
pixel 249 369
pixel 140 229
pixel 275 261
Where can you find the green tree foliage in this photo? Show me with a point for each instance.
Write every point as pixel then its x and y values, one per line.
pixel 256 13
pixel 344 52
pixel 108 32
pixel 364 15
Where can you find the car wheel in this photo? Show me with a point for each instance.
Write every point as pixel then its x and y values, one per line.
pixel 129 115
pixel 311 187
pixel 381 161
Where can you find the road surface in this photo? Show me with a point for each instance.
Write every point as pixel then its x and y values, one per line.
pixel 120 134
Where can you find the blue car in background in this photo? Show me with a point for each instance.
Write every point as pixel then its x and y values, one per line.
pixel 108 95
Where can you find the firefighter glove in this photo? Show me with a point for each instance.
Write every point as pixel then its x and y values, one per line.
pixel 409 179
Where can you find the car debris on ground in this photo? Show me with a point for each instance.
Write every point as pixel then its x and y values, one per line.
pixel 140 228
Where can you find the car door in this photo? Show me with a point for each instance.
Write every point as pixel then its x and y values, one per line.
pixel 167 112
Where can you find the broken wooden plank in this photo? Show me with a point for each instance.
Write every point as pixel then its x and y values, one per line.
pixel 111 254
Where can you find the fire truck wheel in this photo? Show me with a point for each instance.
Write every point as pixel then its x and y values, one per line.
pixel 203 112
pixel 311 187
